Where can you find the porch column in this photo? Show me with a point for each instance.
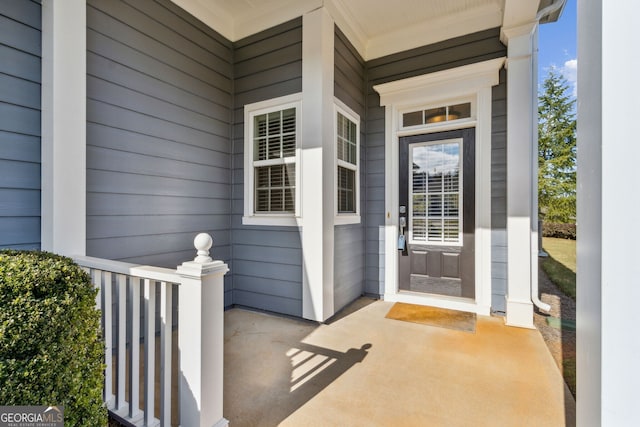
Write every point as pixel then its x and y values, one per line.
pixel 316 165
pixel 63 173
pixel 521 176
pixel 608 205
pixel 201 346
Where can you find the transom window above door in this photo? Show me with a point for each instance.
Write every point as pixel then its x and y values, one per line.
pixel 429 116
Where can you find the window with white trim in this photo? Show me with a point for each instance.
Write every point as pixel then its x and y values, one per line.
pixel 271 161
pixel 347 164
pixel 274 142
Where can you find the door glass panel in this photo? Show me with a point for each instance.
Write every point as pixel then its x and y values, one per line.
pixel 420 205
pixel 436 193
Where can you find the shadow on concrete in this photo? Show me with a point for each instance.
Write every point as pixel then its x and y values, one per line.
pixel 314 368
pixel 369 370
pixel 284 371
pixel 356 305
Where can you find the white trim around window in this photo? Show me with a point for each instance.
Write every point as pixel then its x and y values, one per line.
pixel 348 164
pixel 284 216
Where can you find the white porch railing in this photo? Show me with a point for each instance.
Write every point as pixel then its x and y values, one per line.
pixel 130 331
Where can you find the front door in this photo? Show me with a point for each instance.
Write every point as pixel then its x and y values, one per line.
pixel 437 214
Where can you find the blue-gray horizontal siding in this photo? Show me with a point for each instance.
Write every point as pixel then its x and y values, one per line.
pixel 349 74
pixel 499 195
pixel 349 85
pixel 159 92
pixel 468 49
pixel 20 105
pixel 267 261
pixel 348 265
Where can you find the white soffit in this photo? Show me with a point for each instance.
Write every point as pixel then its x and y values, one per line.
pixel 236 19
pixel 375 27
pixel 385 27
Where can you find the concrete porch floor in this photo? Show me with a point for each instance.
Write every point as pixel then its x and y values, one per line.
pixel 362 369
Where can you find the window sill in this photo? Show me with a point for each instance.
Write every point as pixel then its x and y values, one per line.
pixel 283 221
pixel 347 219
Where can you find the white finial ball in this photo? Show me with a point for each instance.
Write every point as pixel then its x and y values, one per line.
pixel 203 242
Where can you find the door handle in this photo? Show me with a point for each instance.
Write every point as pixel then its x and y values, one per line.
pixel 402 243
pixel 402 222
pixel 403 219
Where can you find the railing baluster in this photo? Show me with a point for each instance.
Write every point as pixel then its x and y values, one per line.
pixel 149 350
pixel 200 366
pixel 107 311
pixel 96 280
pixel 134 354
pixel 165 352
pixel 122 341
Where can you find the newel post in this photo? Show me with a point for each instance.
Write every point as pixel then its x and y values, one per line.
pixel 201 337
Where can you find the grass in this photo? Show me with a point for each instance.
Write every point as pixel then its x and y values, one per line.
pixel 569 373
pixel 560 266
pixel 563 250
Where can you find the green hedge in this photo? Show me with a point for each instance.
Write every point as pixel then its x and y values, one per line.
pixel 51 351
pixel 559 230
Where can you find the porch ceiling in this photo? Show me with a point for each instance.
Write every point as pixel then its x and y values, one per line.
pixel 375 27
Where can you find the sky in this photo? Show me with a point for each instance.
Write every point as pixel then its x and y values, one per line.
pixel 557 46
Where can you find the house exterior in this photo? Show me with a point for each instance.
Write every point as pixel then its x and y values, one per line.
pixel 122 134
pixel 329 156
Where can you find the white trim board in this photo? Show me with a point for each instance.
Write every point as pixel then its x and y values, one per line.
pixel 440 86
pixel 474 82
pixel 317 165
pixel 64 134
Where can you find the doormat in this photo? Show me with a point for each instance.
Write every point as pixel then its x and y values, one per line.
pixel 433 316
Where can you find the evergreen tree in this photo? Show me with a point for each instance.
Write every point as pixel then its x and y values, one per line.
pixel 556 150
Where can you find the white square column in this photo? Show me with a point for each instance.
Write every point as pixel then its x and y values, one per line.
pixel 316 165
pixel 64 100
pixel 521 174
pixel 608 343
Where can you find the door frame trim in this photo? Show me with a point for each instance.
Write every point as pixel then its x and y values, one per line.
pixel 474 82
